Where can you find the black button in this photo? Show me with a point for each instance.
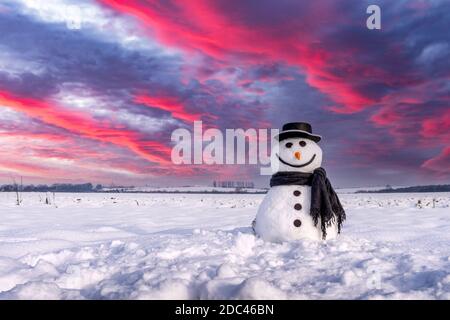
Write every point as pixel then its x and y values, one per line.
pixel 298 206
pixel 297 223
pixel 297 193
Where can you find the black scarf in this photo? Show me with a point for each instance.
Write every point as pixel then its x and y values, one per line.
pixel 325 203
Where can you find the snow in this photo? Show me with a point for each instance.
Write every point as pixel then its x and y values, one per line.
pixel 200 246
pixel 356 189
pixel 186 189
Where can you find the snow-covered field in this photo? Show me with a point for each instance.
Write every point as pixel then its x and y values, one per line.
pixel 187 189
pixel 179 246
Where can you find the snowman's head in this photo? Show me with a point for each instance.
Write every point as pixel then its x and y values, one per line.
pixel 295 154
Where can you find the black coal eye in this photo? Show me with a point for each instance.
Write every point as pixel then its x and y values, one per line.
pixel 302 143
pixel 288 145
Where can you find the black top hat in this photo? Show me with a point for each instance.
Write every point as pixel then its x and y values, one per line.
pixel 297 130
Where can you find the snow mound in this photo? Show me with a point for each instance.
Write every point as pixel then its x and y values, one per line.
pixel 233 265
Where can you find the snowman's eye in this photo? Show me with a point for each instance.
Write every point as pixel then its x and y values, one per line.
pixel 302 143
pixel 288 145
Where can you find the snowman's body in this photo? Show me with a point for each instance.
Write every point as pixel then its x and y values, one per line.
pixel 277 213
pixel 284 214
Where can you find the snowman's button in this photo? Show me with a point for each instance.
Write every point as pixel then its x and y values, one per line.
pixel 297 193
pixel 297 223
pixel 298 206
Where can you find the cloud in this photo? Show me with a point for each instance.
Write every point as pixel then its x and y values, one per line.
pixel 440 163
pixel 170 104
pixel 86 126
pixel 137 70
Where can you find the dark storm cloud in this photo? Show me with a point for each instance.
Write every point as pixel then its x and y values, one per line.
pixel 71 56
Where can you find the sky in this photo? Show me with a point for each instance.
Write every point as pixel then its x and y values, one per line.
pixel 92 90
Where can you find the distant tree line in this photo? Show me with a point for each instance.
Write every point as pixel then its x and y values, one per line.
pixel 430 188
pixel 57 187
pixel 233 184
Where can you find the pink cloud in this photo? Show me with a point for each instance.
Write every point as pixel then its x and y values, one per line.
pixel 201 26
pixel 169 104
pixel 440 163
pixel 86 126
pixel 438 127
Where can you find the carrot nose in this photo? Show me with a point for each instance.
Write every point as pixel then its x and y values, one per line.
pixel 297 155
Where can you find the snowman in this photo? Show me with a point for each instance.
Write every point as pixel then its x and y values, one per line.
pixel 300 204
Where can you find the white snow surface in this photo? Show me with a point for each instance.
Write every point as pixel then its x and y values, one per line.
pixel 187 189
pixel 201 246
